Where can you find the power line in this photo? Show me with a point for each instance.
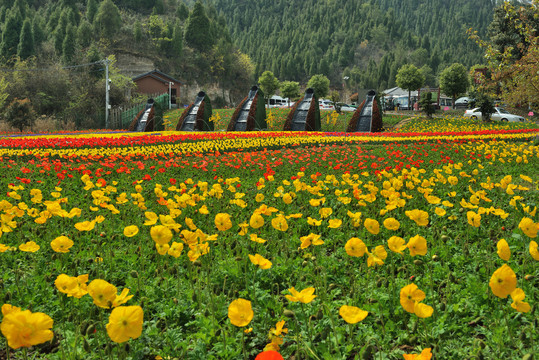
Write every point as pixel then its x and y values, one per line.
pixel 53 69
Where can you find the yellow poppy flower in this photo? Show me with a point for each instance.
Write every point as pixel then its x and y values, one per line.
pixel 355 247
pixel 102 292
pixel 257 239
pixel 325 212
pixel 304 296
pixel 30 246
pixel 439 211
pixel 175 249
pixel 26 329
pixel 409 295
pixel 162 249
pixel 66 284
pixel 533 250
pixel 240 312
pixel 335 223
pixel 503 250
pixel 518 295
pixel 131 230
pixel 422 310
pixel 160 234
pixel 260 261
pixel 125 322
pixel 223 222
pixel 425 355
pixel 279 223
pixel 417 245
pixel 396 244
pixel 503 281
pixel 391 224
pixel 528 227
pixel 420 217
pixel 372 226
pixel 61 244
pixel 313 222
pixel 8 309
pixel 473 218
pixel 85 225
pixel 377 257
pixel 352 314
pixel 313 239
pixel 256 221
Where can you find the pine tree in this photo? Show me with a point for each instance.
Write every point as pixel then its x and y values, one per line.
pixel 91 10
pixel 26 41
pixel 84 34
pixel 182 12
pixel 11 34
pixel 37 30
pixel 108 19
pixel 69 45
pixel 197 33
pixel 177 41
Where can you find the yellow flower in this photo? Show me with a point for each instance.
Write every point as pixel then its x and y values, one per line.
pixel 131 230
pixel 533 250
pixel 409 295
pixel 372 226
pixel 518 295
pixel 125 322
pixel 161 234
pixel 355 247
pixel 420 217
pixel 175 249
pixel 503 250
pixel 190 224
pixel 162 249
pixel 325 212
pixel 257 239
pixel 335 223
pixel 66 284
pixel 222 222
pixel 85 225
pixel 313 239
pixel 26 329
pixel 377 257
pixel 439 211
pixel 473 218
pixel 279 329
pixel 61 244
pixel 8 309
pixel 240 312
pixel 305 296
pixel 417 245
pixel 422 310
pixel 3 247
pixel 392 224
pixel 151 218
pixel 260 261
pixel 259 197
pixel 396 244
pixel 122 298
pixel 352 314
pixel 279 223
pixel 503 281
pixel 287 198
pixel 30 246
pixel 528 227
pixel 313 222
pixel 425 354
pixel 102 292
pixel 256 221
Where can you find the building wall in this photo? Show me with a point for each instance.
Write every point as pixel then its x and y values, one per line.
pixel 149 85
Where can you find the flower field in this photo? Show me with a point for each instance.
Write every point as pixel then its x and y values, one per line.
pixel 416 243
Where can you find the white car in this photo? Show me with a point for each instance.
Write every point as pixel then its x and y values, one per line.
pixel 346 108
pixel 326 104
pixel 498 114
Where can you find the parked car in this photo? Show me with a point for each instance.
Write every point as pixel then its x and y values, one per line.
pixel 326 104
pixel 463 102
pixel 346 107
pixel 499 114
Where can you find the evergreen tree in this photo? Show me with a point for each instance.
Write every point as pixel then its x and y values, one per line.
pixel 182 12
pixel 84 34
pixel 94 55
pixel 21 6
pixel 11 34
pixel 197 33
pixel 37 30
pixel 26 41
pixel 69 44
pixel 177 41
pixel 108 19
pixel 91 10
pixel 137 31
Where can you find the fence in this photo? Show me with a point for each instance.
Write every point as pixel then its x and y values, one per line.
pixel 120 119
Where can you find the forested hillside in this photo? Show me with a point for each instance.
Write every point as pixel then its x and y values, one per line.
pixel 365 40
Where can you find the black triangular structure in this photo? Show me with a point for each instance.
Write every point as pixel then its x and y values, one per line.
pixel 143 121
pixel 250 114
pixel 305 115
pixel 367 117
pixel 197 116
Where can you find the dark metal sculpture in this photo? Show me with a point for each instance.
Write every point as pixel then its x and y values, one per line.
pixel 250 114
pixel 144 120
pixel 305 114
pixel 197 115
pixel 367 117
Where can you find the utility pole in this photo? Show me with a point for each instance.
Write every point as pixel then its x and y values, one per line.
pixel 107 89
pixel 170 94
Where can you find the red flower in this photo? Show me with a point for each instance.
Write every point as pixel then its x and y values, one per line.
pixel 269 355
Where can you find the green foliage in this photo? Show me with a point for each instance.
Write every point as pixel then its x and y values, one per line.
pixel 84 34
pixel 11 34
pixel 454 80
pixel 410 78
pixel 3 91
pixel 182 12
pixel 26 41
pixel 268 83
pixel 107 20
pixel 485 103
pixel 197 33
pixel 69 45
pixel 320 84
pixel 137 31
pixel 290 89
pixel 19 114
pixel 91 10
pixel 38 31
pixel 426 104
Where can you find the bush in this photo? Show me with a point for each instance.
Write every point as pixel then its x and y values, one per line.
pixel 20 114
